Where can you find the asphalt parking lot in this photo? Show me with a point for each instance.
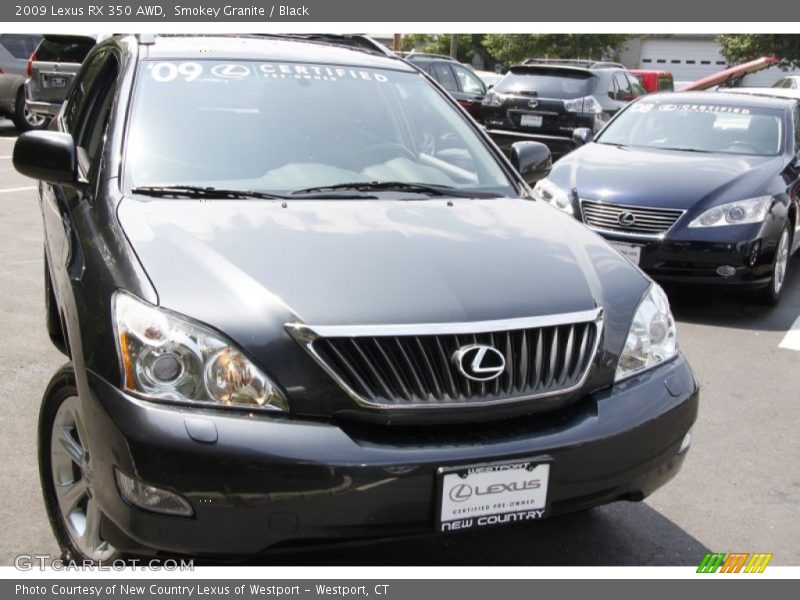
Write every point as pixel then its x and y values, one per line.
pixel 739 490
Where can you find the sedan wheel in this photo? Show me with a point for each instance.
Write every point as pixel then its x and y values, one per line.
pixel 771 294
pixel 33 120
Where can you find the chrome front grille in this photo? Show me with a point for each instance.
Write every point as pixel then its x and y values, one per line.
pixel 636 220
pixel 414 366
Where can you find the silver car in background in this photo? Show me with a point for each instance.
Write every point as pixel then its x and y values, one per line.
pixel 15 54
pixel 53 67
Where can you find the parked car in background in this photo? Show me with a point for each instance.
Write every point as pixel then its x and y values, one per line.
pixel 546 100
pixel 699 187
pixel 423 335
pixel 460 81
pixel 53 66
pixel 15 53
pixel 489 78
pixel 791 82
pixel 654 81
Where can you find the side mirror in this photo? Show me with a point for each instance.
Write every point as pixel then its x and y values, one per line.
pixel 490 86
pixel 532 160
pixel 50 156
pixel 582 135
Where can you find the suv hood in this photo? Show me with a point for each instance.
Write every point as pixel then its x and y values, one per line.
pixel 663 178
pixel 369 262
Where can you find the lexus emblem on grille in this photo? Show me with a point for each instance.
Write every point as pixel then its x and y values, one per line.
pixel 533 103
pixel 479 362
pixel 626 219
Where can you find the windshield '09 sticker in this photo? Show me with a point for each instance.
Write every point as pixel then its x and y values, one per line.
pixel 165 72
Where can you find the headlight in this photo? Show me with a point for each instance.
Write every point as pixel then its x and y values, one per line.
pixel 752 210
pixel 652 338
pixel 167 357
pixel 493 99
pixel 588 104
pixel 549 192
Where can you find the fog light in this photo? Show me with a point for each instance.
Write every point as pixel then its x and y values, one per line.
pixel 687 441
pixel 151 498
pixel 726 270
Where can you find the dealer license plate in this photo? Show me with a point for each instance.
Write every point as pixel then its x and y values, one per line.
pixel 530 120
pixel 492 494
pixel 630 251
pixel 56 82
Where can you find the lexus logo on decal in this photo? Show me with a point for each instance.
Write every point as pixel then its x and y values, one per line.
pixel 479 362
pixel 232 71
pixel 626 219
pixel 533 103
pixel 460 492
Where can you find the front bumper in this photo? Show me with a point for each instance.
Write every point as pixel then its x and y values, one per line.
pixel 267 481
pixel 689 258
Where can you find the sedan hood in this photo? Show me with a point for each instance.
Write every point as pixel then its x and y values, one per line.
pixel 234 264
pixel 663 178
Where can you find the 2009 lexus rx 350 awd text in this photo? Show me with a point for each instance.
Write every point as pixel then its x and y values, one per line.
pixel 306 299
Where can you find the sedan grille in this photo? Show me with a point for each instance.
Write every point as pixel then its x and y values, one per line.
pixel 636 220
pixel 416 365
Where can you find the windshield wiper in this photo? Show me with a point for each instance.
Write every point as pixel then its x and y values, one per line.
pixel 429 189
pixel 196 191
pixel 686 150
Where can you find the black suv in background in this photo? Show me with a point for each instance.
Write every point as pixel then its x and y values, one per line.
pixel 546 100
pixel 460 81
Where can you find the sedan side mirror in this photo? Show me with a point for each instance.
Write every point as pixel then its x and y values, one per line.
pixel 49 156
pixel 532 160
pixel 582 135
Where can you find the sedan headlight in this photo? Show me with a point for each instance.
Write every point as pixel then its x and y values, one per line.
pixel 752 210
pixel 586 105
pixel 549 192
pixel 652 338
pixel 165 356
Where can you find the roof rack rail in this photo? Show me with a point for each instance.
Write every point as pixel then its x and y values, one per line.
pixel 424 55
pixel 585 63
pixel 360 42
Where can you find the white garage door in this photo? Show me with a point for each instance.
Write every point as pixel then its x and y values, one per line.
pixel 687 60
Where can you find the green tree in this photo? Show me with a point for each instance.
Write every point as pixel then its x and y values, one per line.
pixel 515 48
pixel 743 47
pixel 439 43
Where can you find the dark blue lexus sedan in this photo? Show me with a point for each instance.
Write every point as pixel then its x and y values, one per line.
pixel 693 187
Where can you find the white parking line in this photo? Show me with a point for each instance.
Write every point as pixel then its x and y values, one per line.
pixel 791 341
pixel 19 189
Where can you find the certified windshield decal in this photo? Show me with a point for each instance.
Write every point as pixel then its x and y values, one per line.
pixel 165 72
pixel 703 108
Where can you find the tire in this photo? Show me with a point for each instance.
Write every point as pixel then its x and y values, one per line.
pixel 52 318
pixel 24 119
pixel 65 473
pixel 771 294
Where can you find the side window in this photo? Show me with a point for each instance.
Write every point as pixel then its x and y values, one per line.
pixel 76 102
pixel 470 84
pixel 90 127
pixel 624 89
pixel 613 89
pixel 797 131
pixel 445 76
pixel 636 87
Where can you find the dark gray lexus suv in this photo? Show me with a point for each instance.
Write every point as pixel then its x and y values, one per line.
pixel 305 298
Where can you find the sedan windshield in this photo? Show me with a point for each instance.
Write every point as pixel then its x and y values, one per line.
pixel 286 128
pixel 697 128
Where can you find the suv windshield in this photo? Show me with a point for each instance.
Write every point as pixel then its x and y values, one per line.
pixel 64 49
pixel 697 127
pixel 546 82
pixel 287 127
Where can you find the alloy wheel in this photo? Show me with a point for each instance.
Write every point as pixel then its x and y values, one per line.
pixel 781 262
pixel 74 482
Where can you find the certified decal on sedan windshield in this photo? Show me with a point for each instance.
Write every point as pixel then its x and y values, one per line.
pixel 165 72
pixel 645 107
